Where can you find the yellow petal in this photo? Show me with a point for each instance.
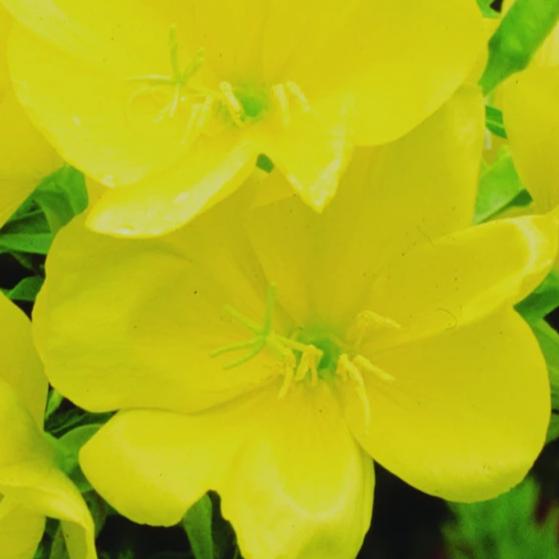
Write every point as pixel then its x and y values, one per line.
pixel 29 477
pixel 217 25
pixel 329 52
pixel 463 277
pixel 401 61
pixel 292 480
pixel 310 152
pixel 532 120
pixel 302 488
pixel 169 460
pixel 98 121
pixel 25 156
pixel 467 413
pixel 156 312
pixel 95 34
pixel 160 204
pixel 391 199
pixel 548 53
pixel 21 367
pixel 20 533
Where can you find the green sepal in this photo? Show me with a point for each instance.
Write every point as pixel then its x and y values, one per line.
pixel 495 122
pixel 67 450
pixel 197 524
pixel 521 33
pixel 548 339
pixel 499 188
pixel 542 301
pixel 62 196
pixel 26 289
pixel 28 243
pixel 486 9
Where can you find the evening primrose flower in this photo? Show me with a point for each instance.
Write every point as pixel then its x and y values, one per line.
pixel 31 485
pixel 25 156
pixel 170 104
pixel 268 353
pixel 532 120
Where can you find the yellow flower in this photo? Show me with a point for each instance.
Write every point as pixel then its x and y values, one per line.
pixel 25 157
pixel 268 358
pixel 31 485
pixel 170 103
pixel 532 121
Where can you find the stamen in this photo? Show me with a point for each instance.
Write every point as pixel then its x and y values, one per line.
pixel 365 364
pixel 309 360
pixel 153 79
pixel 231 102
pixel 198 119
pixel 299 95
pixel 289 375
pixel 365 322
pixel 279 93
pixel 348 370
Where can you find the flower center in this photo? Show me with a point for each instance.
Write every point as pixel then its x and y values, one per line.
pixel 329 347
pixel 237 104
pixel 311 354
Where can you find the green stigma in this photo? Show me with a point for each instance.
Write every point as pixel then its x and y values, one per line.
pixel 254 100
pixel 311 349
pixel 329 345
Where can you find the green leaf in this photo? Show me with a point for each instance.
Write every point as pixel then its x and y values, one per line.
pixel 33 221
pixel 55 400
pixel 67 452
pixel 486 9
pixel 62 196
pixel 499 187
pixel 26 290
pixel 553 430
pixel 197 524
pixel 27 261
pixel 521 33
pixel 58 548
pixel 548 339
pixel 69 417
pixel 506 527
pixel 495 122
pixel 543 300
pixel 29 243
pixel 98 508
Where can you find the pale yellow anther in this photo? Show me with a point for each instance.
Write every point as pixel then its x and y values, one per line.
pixel 175 102
pixel 194 125
pixel 232 104
pixel 206 111
pixel 279 93
pixel 288 374
pixel 369 321
pixel 198 119
pixel 364 364
pixel 308 362
pixel 302 367
pixel 299 95
pixel 349 371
